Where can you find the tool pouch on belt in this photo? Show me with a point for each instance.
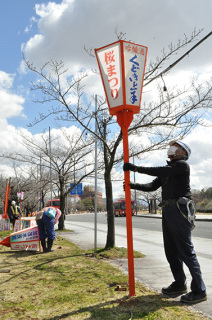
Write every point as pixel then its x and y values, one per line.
pixel 191 209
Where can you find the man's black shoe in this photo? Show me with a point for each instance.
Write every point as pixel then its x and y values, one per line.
pixel 173 290
pixel 193 297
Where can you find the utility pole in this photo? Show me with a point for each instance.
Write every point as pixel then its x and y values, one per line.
pixel 95 219
pixel 136 210
pixel 50 164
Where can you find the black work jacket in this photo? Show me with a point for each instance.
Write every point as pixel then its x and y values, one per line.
pixel 173 178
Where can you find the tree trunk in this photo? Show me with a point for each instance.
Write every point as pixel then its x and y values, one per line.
pixel 110 212
pixel 61 224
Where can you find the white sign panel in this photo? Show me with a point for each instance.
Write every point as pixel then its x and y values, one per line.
pixel 109 59
pixel 26 246
pixel 26 239
pixel 4 224
pixel 134 65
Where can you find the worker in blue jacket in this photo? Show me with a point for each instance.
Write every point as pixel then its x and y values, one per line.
pixel 46 220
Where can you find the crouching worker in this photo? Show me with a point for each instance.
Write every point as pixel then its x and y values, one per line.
pixel 46 219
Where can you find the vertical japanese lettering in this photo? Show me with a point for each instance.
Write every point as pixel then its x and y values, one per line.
pixel 134 79
pixel 111 72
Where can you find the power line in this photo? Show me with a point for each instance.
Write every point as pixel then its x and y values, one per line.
pixel 178 60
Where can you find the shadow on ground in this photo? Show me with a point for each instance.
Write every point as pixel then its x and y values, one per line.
pixel 142 306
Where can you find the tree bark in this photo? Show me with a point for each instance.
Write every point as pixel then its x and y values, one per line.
pixel 110 212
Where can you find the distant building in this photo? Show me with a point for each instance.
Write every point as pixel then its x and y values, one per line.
pixel 74 198
pixel 88 192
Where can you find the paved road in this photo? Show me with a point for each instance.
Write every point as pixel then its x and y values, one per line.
pixel 202 230
pixel 153 270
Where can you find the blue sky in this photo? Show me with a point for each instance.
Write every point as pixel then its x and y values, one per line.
pixel 15 16
pixel 60 30
pixel 18 22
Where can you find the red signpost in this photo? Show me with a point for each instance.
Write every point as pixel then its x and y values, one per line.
pixel 7 193
pixel 122 66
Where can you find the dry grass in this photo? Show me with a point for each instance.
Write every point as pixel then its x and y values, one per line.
pixel 71 283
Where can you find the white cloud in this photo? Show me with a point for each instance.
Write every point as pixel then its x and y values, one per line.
pixel 201 156
pixel 11 106
pixel 65 28
pixel 6 80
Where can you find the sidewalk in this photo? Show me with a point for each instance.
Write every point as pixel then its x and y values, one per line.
pixel 153 270
pixel 199 217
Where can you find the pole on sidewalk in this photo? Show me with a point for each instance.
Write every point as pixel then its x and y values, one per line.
pixel 135 204
pixel 95 216
pixel 50 163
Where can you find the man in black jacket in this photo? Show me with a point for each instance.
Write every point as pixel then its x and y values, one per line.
pixel 174 179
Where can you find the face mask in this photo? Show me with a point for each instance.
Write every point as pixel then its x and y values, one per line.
pixel 172 151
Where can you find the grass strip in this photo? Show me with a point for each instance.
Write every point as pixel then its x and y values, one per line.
pixel 71 283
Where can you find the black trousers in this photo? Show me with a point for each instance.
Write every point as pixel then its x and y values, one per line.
pixel 179 248
pixel 13 219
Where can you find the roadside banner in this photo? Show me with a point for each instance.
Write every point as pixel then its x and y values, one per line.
pixel 4 224
pixel 26 240
pixel 23 223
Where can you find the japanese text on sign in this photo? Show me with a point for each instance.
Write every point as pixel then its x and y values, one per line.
pixel 25 236
pixel 135 57
pixel 122 66
pixel 33 246
pixel 135 49
pixel 111 72
pixel 134 79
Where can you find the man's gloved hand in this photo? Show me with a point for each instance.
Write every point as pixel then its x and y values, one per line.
pixel 131 184
pixel 129 167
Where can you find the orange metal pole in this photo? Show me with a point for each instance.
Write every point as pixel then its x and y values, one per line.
pixel 124 119
pixel 7 192
pixel 5 206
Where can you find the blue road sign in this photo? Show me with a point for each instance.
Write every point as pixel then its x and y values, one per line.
pixel 77 189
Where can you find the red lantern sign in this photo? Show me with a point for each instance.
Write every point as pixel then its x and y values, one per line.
pixel 20 196
pixel 122 66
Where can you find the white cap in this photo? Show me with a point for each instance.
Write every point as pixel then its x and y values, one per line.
pixel 183 145
pixel 13 202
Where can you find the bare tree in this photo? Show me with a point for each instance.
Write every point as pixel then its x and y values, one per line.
pixel 172 115
pixel 68 161
pixel 24 179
